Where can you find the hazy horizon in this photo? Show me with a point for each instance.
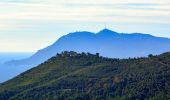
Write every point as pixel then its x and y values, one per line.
pixel 8 56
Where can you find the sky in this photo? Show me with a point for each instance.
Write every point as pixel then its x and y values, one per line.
pixel 30 25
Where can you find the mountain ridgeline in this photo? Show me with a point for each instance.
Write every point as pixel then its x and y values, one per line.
pixel 106 42
pixel 85 76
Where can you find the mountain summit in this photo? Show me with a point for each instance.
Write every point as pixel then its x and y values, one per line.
pixel 106 42
pixel 107 31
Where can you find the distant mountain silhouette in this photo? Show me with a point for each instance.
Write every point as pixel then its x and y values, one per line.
pixel 106 42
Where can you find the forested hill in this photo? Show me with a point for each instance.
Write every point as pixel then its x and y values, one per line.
pixel 84 76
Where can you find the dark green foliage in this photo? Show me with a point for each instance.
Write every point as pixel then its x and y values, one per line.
pixel 84 76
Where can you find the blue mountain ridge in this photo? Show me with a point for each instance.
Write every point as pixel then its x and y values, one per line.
pixel 106 42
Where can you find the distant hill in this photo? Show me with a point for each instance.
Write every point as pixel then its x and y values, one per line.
pixel 106 42
pixel 74 76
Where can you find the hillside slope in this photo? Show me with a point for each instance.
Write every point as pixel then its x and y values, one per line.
pixel 84 76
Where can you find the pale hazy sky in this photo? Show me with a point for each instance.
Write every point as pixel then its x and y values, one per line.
pixel 29 25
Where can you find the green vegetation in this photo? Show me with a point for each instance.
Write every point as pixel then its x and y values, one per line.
pixel 74 76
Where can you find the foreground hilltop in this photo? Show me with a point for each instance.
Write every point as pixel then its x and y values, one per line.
pixel 85 76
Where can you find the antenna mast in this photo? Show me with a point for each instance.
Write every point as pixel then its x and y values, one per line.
pixel 105 26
